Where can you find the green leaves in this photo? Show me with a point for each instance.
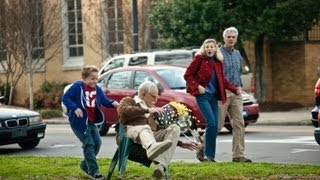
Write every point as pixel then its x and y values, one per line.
pixel 189 22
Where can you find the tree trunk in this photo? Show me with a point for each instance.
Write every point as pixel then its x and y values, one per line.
pixel 11 94
pixel 259 74
pixel 30 79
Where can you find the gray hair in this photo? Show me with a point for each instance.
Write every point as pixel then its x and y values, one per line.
pixel 145 87
pixel 230 29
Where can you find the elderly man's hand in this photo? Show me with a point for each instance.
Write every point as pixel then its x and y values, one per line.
pixel 158 110
pixel 189 145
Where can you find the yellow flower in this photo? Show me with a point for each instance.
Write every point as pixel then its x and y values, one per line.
pixel 182 110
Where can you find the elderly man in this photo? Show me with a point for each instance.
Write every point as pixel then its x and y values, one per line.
pixel 232 71
pixel 136 114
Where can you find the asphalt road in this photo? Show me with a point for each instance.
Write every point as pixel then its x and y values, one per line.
pixel 274 144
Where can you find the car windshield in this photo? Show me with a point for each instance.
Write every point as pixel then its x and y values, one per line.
pixel 173 77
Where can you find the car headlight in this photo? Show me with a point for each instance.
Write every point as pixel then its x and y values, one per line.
pixel 34 120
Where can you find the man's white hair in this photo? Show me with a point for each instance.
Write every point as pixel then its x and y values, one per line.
pixel 145 87
pixel 230 29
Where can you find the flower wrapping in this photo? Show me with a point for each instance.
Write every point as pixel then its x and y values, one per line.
pixel 174 113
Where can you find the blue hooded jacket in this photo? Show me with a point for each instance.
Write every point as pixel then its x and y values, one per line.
pixel 74 98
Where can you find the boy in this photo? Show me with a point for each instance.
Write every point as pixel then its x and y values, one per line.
pixel 83 101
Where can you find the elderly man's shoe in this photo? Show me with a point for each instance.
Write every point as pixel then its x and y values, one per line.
pixel 199 153
pixel 158 172
pixel 241 159
pixel 157 148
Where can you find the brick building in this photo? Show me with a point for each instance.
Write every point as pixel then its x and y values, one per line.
pixel 103 29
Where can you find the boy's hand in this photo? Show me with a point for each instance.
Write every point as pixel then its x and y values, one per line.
pixel 79 113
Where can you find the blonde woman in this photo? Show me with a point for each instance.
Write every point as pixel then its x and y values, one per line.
pixel 205 80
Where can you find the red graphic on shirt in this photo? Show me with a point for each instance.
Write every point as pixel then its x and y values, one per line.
pixel 90 96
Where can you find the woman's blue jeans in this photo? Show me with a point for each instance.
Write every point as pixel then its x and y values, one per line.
pixel 91 144
pixel 208 106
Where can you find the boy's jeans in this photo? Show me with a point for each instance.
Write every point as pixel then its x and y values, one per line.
pixel 208 106
pixel 91 144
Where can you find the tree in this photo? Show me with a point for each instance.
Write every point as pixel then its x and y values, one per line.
pixel 260 21
pixel 33 34
pixel 11 68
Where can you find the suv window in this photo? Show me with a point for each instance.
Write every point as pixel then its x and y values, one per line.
pixel 140 77
pixel 120 80
pixel 138 60
pixel 113 64
pixel 179 59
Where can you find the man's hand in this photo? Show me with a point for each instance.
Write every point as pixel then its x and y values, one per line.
pixel 79 113
pixel 189 145
pixel 158 110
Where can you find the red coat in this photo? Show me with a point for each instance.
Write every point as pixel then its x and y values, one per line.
pixel 200 71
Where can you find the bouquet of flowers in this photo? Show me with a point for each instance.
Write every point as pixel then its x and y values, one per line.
pixel 174 113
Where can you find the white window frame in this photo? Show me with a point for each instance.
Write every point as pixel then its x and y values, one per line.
pixel 69 62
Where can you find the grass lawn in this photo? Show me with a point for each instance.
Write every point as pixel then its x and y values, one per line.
pixel 21 167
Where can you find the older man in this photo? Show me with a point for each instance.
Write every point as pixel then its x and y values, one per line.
pixel 234 106
pixel 136 114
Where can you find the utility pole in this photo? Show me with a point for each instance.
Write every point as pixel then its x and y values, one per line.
pixel 135 32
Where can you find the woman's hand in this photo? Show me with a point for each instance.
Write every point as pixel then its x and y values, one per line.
pixel 201 89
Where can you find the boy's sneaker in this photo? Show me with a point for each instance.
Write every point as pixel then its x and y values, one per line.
pixel 84 169
pixel 96 176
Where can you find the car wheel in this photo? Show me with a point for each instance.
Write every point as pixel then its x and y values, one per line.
pixel 317 135
pixel 229 127
pixel 29 144
pixel 103 129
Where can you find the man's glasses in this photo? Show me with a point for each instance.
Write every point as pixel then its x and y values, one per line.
pixel 233 37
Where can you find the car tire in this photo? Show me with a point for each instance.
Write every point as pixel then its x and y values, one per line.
pixel 103 129
pixel 317 135
pixel 30 144
pixel 229 127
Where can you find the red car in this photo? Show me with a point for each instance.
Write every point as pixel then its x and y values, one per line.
pixel 122 82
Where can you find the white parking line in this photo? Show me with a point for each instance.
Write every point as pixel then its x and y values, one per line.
pixel 297 140
pixel 62 145
pixel 304 150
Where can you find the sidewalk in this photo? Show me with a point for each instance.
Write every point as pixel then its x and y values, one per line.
pixel 300 116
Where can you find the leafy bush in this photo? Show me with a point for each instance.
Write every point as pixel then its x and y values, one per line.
pixel 50 113
pixel 2 92
pixel 49 95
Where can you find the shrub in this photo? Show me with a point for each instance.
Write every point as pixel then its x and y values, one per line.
pixel 50 113
pixel 49 95
pixel 4 91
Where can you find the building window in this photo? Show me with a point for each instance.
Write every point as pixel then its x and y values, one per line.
pixel 75 40
pixel 115 23
pixel 38 34
pixel 72 34
pixel 3 50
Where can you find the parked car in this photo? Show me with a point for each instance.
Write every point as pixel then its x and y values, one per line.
pixel 122 82
pixel 21 126
pixel 315 118
pixel 177 57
